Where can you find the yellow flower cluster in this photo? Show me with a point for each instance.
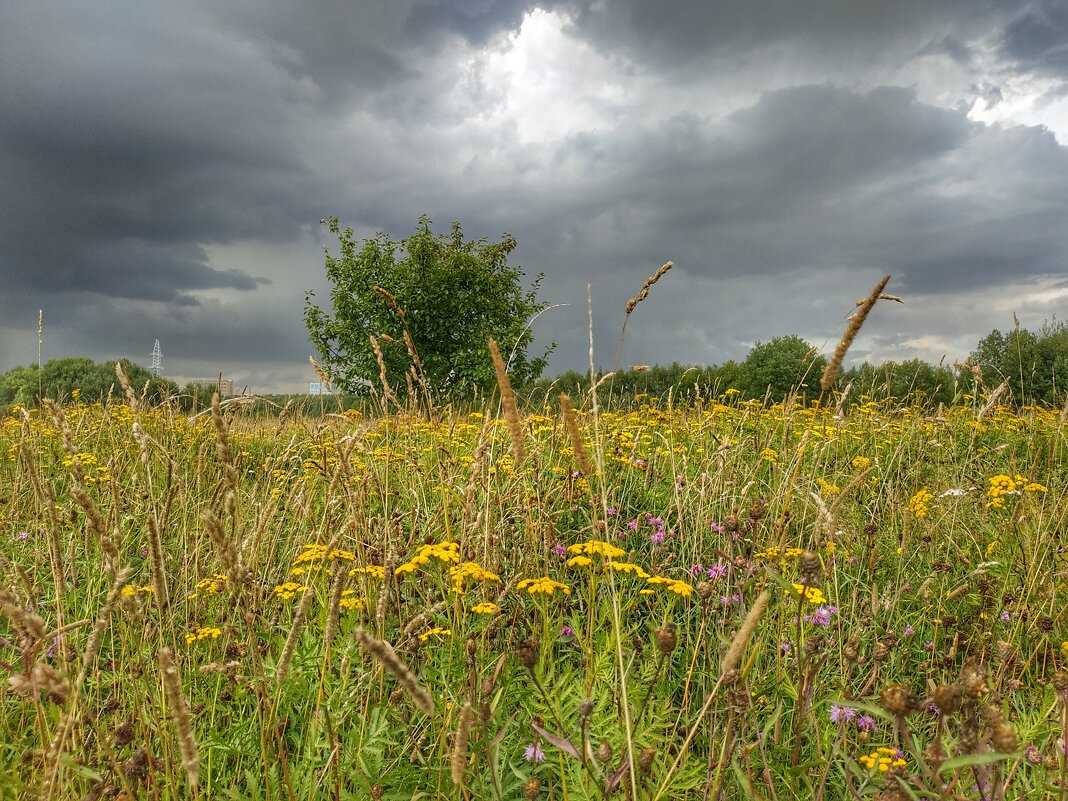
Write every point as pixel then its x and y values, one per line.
pixel 1002 485
pixel 314 552
pixel 133 589
pixel 438 632
pixel 375 571
pixel 209 585
pixel 774 552
pixel 883 759
pixel 202 634
pixel 543 585
pixel 827 489
pixel 579 561
pixel 769 455
pixel 288 590
pixel 918 503
pixel 442 551
pixel 861 463
pixel 469 570
pixel 350 601
pixel 484 608
pixel 814 595
pixel 674 585
pixel 628 567
pixel 597 548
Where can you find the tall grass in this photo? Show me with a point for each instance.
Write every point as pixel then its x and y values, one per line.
pixel 718 600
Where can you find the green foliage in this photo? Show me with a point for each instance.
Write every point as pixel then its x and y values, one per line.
pixel 777 367
pixel 1035 365
pixel 59 378
pixel 913 379
pixel 454 295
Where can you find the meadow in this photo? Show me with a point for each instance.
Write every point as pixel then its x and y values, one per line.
pixel 721 599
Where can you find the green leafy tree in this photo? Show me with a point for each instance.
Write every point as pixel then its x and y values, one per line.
pixel 94 381
pixel 1034 364
pixel 449 295
pixel 777 367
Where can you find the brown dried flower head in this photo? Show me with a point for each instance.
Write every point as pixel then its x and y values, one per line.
pixel 898 700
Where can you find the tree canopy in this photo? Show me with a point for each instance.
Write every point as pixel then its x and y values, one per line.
pixel 431 302
pixel 59 378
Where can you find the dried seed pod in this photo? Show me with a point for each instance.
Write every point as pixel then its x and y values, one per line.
pixel 898 700
pixel 730 524
pixel 1003 737
pixel 532 789
pixel 705 590
pixel 991 714
pixel 604 752
pixel 527 651
pixel 851 649
pixel 666 639
pixel 645 760
pixel 947 698
pixel 973 679
pixel 585 709
pixel 1060 682
pixel 811 567
pixel 881 651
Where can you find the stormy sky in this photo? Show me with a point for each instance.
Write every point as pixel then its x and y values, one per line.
pixel 164 167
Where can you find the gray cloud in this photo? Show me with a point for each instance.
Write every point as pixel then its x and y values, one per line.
pixel 165 166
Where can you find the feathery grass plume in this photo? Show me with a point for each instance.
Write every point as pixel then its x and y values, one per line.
pixel 124 382
pixel 830 372
pixel 387 393
pixel 294 634
pixel 391 300
pixel 29 626
pixel 388 564
pixel 741 639
pixel 340 579
pixel 228 552
pixel 582 457
pixel 324 379
pixel 643 293
pixel 632 304
pixel 187 744
pixel 511 410
pixel 96 634
pixel 420 620
pixel 222 446
pixel 92 648
pixel 384 653
pixel 458 757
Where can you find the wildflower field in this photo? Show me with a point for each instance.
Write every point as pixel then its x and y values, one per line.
pixel 722 599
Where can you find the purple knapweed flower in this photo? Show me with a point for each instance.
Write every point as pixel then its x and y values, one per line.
pixel 718 570
pixel 866 723
pixel 842 714
pixel 821 615
pixel 22 536
pixel 929 645
pixel 611 511
pixel 632 525
pixel 533 752
pixel 657 536
pixel 908 632
pixel 559 549
pixel 1006 616
pixel 567 631
pixel 716 527
pixel 697 569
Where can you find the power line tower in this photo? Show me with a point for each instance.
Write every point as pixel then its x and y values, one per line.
pixel 157 360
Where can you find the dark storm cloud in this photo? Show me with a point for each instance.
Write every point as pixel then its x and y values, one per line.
pixel 1038 37
pixel 159 161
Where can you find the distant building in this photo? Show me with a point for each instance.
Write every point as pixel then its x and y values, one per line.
pixel 226 385
pixel 319 388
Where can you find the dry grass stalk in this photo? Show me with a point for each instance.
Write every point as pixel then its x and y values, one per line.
pixel 632 304
pixel 458 757
pixel 387 393
pixel 830 372
pixel 340 579
pixel 485 439
pixel 741 639
pixel 391 300
pixel 155 553
pixel 511 409
pixel 384 653
pixel 124 382
pixel 29 626
pixel 187 744
pixel 582 456
pixel 294 634
pixel 96 634
pixel 222 445
pixel 229 555
pixel 643 293
pixel 324 379
pixel 389 563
